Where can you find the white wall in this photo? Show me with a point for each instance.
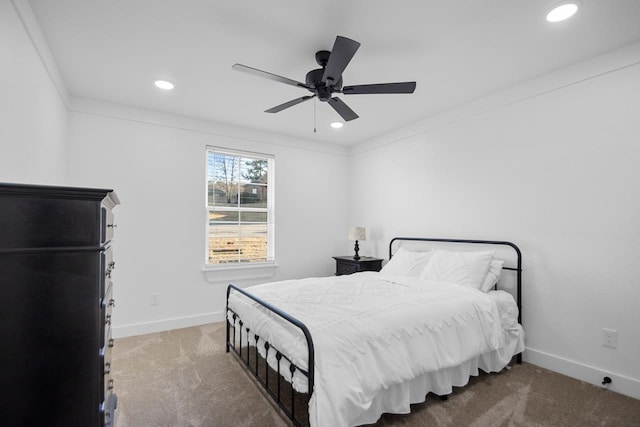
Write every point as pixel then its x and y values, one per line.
pixel 551 165
pixel 33 115
pixel 156 164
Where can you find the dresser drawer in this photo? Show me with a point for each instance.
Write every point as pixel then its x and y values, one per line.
pixel 108 302
pixel 108 386
pixel 107 265
pixel 108 409
pixel 105 358
pixel 106 307
pixel 107 225
pixel 372 265
pixel 29 222
pixel 348 265
pixel 345 268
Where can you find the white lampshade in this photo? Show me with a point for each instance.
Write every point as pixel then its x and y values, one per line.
pixel 357 233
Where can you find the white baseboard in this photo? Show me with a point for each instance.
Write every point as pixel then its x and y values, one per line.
pixel 166 324
pixel 589 374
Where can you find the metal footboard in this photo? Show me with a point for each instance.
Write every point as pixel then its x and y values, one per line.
pixel 261 371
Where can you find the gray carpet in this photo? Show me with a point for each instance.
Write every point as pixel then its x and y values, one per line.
pixel 184 378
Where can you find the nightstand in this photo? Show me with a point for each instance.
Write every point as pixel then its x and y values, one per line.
pixel 348 265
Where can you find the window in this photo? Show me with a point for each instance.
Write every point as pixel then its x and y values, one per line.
pixel 240 207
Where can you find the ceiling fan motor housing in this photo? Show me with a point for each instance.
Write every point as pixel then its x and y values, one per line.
pixel 322 90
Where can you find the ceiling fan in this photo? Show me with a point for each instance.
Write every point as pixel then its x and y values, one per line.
pixel 324 82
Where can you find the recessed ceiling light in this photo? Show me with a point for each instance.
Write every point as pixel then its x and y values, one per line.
pixel 562 11
pixel 163 84
pixel 337 125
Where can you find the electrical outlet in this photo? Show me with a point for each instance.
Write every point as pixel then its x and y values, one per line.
pixel 609 338
pixel 154 299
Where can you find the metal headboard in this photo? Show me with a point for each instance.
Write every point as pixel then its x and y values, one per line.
pixel 517 268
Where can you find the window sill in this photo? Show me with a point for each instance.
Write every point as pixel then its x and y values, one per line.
pixel 228 273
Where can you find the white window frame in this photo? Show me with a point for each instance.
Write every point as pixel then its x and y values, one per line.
pixel 243 270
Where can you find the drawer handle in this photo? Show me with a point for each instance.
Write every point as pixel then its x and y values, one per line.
pixel 111 342
pixel 110 386
pixel 107 368
pixel 110 268
pixel 112 302
pixel 107 319
pixel 112 225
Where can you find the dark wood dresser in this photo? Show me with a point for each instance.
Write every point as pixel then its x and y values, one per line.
pixel 56 260
pixel 348 265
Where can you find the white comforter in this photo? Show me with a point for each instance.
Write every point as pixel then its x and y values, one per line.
pixel 370 332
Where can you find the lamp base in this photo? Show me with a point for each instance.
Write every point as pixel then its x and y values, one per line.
pixel 356 248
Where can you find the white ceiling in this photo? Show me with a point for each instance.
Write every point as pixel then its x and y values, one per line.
pixel 456 51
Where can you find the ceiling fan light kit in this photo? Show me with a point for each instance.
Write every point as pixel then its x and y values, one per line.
pixel 324 82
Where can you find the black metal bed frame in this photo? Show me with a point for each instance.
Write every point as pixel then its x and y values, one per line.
pixel 238 327
pixel 264 380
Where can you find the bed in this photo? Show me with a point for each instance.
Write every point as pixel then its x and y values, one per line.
pixel 343 350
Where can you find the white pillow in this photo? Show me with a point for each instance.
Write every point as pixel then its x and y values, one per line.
pixel 493 275
pixel 406 263
pixel 465 268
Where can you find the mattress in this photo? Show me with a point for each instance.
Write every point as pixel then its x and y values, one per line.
pixel 382 342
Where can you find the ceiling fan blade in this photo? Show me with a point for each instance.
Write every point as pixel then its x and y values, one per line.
pixel 404 87
pixel 288 104
pixel 270 76
pixel 341 54
pixel 343 109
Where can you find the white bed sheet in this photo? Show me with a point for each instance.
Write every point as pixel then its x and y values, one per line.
pixel 383 342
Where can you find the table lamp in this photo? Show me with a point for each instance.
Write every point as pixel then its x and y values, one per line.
pixel 357 233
